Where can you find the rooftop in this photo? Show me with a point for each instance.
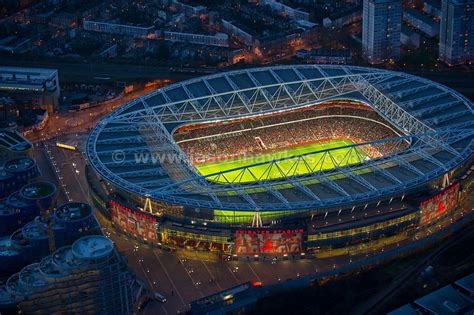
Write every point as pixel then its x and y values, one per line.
pixel 31 278
pixel 48 268
pixel 429 107
pixel 14 141
pixel 406 309
pixel 16 200
pixel 420 16
pixel 20 164
pixel 92 247
pixel 5 296
pixel 4 175
pixel 467 283
pixel 117 21
pixel 38 190
pixel 434 3
pixel 28 71
pixel 5 209
pixel 445 301
pixel 35 230
pixel 64 258
pixel 12 284
pixel 7 249
pixel 73 211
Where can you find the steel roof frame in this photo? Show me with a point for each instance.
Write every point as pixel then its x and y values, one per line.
pixel 148 120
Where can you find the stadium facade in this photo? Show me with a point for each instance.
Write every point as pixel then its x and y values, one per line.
pixel 286 160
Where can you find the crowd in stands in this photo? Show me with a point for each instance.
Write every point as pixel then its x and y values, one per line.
pixel 216 141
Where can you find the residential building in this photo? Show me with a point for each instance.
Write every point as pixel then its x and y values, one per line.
pixel 119 29
pixel 188 9
pixel 88 277
pixel 409 37
pixel 219 39
pixel 421 22
pixel 285 10
pixel 235 30
pixel 433 8
pixel 381 24
pixel 456 42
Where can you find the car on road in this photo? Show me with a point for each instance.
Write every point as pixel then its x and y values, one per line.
pixel 159 297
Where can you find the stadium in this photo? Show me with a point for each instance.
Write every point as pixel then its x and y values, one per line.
pixel 286 161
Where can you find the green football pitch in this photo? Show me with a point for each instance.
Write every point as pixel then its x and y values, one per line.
pixel 291 166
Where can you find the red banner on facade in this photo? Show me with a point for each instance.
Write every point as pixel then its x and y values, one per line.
pixel 137 223
pixel 440 204
pixel 268 242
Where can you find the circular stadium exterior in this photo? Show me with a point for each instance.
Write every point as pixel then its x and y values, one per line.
pixel 158 185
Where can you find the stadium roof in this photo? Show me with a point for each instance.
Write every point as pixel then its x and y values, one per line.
pixel 437 121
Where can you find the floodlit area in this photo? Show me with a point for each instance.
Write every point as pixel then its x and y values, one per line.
pixel 287 161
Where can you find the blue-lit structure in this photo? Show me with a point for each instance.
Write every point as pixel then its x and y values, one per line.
pixel 8 219
pixel 88 277
pixel 76 219
pixel 28 202
pixel 39 193
pixel 16 172
pixel 437 119
pixel 32 241
pixel 435 123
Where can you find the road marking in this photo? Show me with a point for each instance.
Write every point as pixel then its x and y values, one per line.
pixel 74 173
pixel 147 278
pixel 254 272
pixel 192 280
pixel 169 279
pixel 212 277
pixel 233 274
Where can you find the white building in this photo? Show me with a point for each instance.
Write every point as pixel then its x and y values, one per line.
pixel 283 9
pixel 119 29
pixel 237 32
pixel 189 10
pixel 220 39
pixel 456 42
pixel 381 24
